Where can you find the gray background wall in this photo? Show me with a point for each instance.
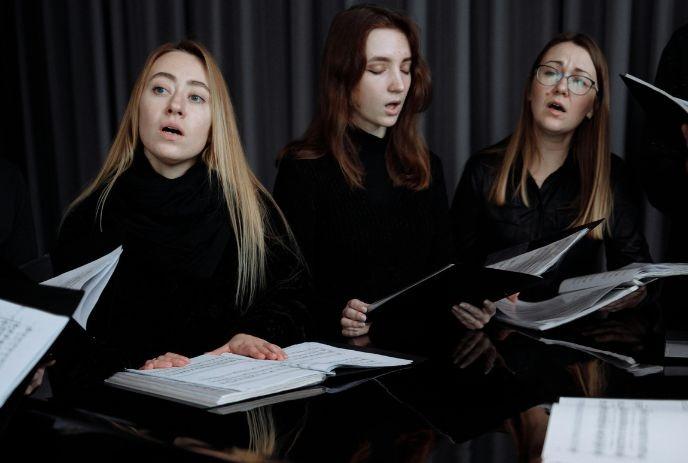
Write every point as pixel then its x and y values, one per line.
pixel 69 67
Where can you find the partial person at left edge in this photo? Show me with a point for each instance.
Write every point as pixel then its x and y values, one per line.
pixel 208 261
pixel 17 234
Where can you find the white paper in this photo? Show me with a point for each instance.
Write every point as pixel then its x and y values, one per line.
pixel 611 430
pixel 321 357
pixel 561 309
pixel 92 279
pixel 682 103
pixel 25 336
pixel 627 274
pixel 538 261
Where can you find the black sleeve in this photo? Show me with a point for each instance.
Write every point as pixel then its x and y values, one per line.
pixel 17 234
pixel 465 213
pixel 663 162
pixel 79 238
pixel 442 244
pixel 627 243
pixel 279 313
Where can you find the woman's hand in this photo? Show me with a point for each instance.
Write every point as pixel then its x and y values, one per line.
pixel 475 345
pixel 37 378
pixel 472 317
pixel 629 300
pixel 251 346
pixel 353 319
pixel 167 360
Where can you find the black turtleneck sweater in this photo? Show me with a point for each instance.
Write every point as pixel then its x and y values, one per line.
pixel 362 243
pixel 174 287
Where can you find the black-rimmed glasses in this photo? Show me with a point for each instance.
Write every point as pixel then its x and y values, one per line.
pixel 550 76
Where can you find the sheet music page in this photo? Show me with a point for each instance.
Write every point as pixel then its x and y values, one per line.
pixel 231 372
pixel 321 357
pixel 26 334
pixel 610 430
pixel 538 261
pixel 560 309
pixel 92 279
pixel 627 274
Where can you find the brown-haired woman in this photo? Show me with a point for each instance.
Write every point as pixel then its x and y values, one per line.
pixel 207 259
pixel 554 172
pixel 364 196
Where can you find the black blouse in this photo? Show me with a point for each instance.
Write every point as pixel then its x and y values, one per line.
pixel 481 228
pixel 362 243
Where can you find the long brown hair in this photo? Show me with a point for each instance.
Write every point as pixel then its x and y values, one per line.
pixel 590 144
pixel 224 157
pixel 343 65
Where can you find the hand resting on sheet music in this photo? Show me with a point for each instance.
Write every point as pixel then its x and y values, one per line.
pixel 240 344
pixel 475 318
pixel 353 319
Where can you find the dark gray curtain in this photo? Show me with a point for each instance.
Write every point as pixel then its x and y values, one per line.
pixel 69 66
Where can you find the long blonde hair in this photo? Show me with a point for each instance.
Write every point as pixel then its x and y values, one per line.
pixel 590 144
pixel 223 155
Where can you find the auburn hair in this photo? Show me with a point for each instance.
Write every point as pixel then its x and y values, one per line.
pixel 343 64
pixel 589 145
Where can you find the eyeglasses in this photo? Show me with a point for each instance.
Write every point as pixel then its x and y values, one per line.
pixel 549 76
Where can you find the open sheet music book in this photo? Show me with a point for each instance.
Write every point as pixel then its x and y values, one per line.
pixel 537 261
pixel 26 334
pixel 581 296
pixel 210 380
pixel 90 278
pixel 656 102
pixel 616 430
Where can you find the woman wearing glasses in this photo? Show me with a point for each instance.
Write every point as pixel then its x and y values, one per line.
pixel 554 172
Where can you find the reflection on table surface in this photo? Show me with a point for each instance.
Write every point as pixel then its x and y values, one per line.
pixel 474 396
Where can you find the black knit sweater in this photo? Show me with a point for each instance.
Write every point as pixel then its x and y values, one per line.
pixel 362 243
pixel 174 287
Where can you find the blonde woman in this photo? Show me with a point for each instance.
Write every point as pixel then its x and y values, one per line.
pixel 208 261
pixel 554 172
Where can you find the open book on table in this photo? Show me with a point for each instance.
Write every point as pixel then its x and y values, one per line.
pixel 583 295
pixel 656 102
pixel 91 279
pixel 211 380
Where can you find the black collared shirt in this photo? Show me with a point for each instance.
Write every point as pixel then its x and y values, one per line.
pixel 481 228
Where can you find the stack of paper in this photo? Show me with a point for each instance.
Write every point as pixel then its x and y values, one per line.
pixel 616 430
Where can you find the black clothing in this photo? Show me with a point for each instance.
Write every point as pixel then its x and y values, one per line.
pixel 663 164
pixel 174 287
pixel 481 228
pixel 362 243
pixel 17 234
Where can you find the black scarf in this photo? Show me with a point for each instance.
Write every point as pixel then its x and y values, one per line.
pixel 176 226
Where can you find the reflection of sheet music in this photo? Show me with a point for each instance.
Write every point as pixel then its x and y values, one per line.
pixel 611 430
pixel 25 336
pixel 538 261
pixel 92 279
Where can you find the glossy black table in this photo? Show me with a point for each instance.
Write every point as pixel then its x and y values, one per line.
pixel 474 396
